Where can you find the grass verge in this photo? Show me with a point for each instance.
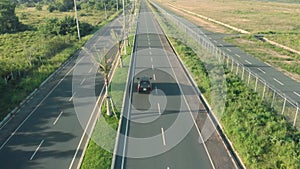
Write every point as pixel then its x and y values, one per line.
pixel 99 151
pixel 279 58
pixel 258 17
pixel 17 56
pixel 261 137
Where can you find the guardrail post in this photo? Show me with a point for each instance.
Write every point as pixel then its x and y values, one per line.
pixel 255 88
pixel 219 55
pixel 296 116
pixel 237 69
pixel 249 78
pixel 283 106
pixel 272 104
pixel 243 73
pixel 232 62
pixel 263 95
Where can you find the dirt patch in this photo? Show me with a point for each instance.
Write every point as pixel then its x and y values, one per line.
pixel 244 41
pixel 201 22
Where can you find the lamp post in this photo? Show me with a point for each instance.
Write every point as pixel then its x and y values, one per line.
pixel 124 27
pixel 77 22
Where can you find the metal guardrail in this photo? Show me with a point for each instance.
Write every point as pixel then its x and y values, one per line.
pixel 277 100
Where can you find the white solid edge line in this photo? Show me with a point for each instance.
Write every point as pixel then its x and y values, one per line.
pixel 86 127
pixel 129 106
pixel 36 150
pixel 130 95
pixel 77 149
pixel 204 145
pixel 163 136
pixel 198 92
pixel 57 117
pixel 13 133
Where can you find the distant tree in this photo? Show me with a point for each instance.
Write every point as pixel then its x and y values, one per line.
pixel 39 6
pixel 65 26
pixel 8 19
pixel 85 28
pixel 64 5
pixel 52 8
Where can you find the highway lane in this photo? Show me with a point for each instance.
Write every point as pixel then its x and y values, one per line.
pixel 162 130
pixel 51 135
pixel 278 80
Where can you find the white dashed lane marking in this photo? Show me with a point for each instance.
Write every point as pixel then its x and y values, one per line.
pixel 37 149
pixel 296 93
pixel 71 98
pixel 278 81
pixel 248 62
pixel 163 136
pixel 237 55
pixel 57 118
pixel 261 70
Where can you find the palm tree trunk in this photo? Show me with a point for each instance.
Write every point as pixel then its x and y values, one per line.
pixel 108 110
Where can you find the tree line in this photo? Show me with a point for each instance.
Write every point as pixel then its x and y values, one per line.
pixel 10 22
pixel 29 53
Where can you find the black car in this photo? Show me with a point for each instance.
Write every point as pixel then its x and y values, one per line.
pixel 144 84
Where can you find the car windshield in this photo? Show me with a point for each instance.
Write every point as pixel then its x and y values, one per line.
pixel 145 82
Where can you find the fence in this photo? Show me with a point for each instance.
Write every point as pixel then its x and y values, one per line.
pixel 277 100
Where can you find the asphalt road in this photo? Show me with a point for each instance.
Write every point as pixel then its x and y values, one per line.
pixel 160 128
pixel 48 131
pixel 285 85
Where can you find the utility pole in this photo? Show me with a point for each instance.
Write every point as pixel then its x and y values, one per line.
pixel 117 5
pixel 105 10
pixel 124 27
pixel 77 22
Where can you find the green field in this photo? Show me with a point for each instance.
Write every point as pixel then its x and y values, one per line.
pixel 277 21
pixel 30 56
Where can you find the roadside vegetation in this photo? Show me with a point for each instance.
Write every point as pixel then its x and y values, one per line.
pixel 37 41
pixel 260 136
pixel 99 152
pixel 279 58
pixel 96 156
pixel 266 18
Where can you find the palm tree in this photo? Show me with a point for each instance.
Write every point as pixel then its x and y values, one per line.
pixel 104 68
